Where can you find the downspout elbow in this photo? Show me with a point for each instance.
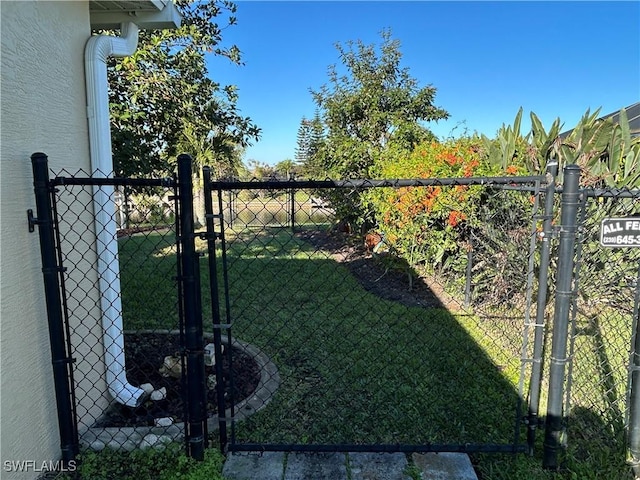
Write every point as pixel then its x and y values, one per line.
pixel 101 47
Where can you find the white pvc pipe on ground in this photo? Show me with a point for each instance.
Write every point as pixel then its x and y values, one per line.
pixel 98 49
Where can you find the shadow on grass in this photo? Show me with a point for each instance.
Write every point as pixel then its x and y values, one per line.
pixel 605 391
pixel 595 449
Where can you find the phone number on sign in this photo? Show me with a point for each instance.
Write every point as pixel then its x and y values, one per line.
pixel 622 240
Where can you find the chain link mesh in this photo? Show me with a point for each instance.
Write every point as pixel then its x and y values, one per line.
pixel 379 341
pixel 601 334
pixel 144 307
pixel 414 328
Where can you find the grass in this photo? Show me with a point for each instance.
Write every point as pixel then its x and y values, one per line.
pixel 359 369
pixel 169 463
pixel 266 210
pixel 335 342
pixel 148 268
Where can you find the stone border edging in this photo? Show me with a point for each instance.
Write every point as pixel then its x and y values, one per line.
pixel 130 438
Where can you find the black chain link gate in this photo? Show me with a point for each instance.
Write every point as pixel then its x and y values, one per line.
pixel 364 354
pixel 123 299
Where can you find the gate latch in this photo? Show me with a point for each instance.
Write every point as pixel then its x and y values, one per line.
pixel 209 236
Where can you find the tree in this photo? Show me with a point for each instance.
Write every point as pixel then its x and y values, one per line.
pixel 286 169
pixel 259 171
pixel 309 144
pixel 376 103
pixel 216 150
pixel 303 141
pixel 317 135
pixel 161 95
pixel 373 108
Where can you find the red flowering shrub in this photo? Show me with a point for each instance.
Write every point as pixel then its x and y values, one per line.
pixel 432 226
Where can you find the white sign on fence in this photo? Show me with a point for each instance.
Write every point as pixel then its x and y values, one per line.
pixel 620 232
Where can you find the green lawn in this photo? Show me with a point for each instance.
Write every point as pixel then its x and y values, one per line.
pixel 354 368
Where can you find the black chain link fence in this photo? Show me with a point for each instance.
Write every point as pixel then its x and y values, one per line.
pixel 412 332
pixel 377 342
pixel 123 311
pixel 604 317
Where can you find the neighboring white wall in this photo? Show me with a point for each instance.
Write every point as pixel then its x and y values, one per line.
pixel 43 109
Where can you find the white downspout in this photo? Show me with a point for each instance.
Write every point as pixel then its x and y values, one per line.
pixel 98 49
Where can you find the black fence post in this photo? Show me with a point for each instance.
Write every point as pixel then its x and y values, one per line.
pixel 194 341
pixel 634 387
pixel 62 363
pixel 543 283
pixel 232 203
pixel 554 427
pixel 215 306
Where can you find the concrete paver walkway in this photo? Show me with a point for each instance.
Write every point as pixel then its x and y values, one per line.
pixel 346 466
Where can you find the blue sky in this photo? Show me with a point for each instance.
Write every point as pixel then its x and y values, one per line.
pixel 486 59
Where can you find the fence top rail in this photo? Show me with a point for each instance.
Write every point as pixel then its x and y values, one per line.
pixel 609 192
pixel 612 192
pixel 371 183
pixel 115 181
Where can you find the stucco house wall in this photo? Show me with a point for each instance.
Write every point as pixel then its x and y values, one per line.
pixel 43 109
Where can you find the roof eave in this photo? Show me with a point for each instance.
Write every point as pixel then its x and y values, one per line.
pixel 152 14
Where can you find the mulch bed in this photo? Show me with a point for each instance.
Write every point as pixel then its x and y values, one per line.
pixel 127 232
pixel 144 355
pixel 387 278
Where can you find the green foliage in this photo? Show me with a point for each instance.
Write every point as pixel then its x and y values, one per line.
pixel 303 141
pixel 371 107
pixel 543 146
pixel 422 224
pixel 604 149
pixel 375 103
pixel 504 150
pixel 169 463
pixel 286 168
pixel 218 150
pixel 434 227
pixel 256 169
pixel 160 96
pixel 309 144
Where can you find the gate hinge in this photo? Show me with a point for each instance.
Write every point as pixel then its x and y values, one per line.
pixel 66 360
pixel 55 270
pixel 555 231
pixel 33 221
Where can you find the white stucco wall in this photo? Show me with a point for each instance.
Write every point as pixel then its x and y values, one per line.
pixel 43 109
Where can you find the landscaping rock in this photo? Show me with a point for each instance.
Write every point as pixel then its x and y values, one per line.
pixel 147 387
pixel 163 422
pixel 158 395
pixel 155 441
